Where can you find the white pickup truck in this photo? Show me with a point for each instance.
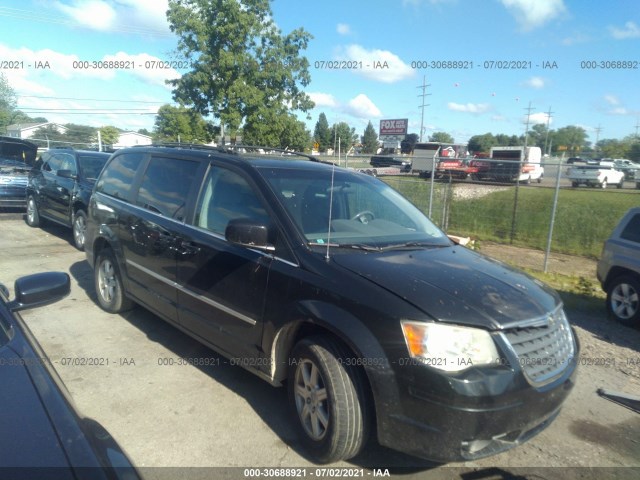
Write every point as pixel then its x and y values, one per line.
pixel 595 176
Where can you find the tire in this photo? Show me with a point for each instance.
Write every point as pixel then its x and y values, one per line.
pixel 79 227
pixel 623 300
pixel 108 284
pixel 620 184
pixel 574 184
pixel 328 400
pixel 33 216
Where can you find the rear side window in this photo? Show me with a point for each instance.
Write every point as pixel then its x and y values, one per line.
pixel 117 177
pixel 632 231
pixel 165 186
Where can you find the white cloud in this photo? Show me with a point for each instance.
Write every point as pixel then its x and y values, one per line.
pixel 575 39
pixel 94 14
pixel 535 82
pixel 531 14
pixel 476 108
pixel 379 65
pixel 148 68
pixel 362 107
pixel 630 30
pixel 343 29
pixel 323 99
pixel 611 99
pixel 146 17
pixel 538 118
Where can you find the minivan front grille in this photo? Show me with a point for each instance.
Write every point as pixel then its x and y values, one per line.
pixel 543 352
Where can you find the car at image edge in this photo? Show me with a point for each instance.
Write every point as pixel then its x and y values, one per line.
pixel 42 435
pixel 17 157
pixel 331 282
pixel 619 269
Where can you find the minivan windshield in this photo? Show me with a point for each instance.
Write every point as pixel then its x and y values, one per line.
pixel 365 212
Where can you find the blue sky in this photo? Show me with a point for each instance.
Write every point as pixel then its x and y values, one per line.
pixel 399 35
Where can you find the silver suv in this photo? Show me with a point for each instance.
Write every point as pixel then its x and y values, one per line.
pixel 619 269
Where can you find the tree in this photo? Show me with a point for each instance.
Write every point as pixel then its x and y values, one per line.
pixel 144 131
pixel 634 152
pixel 613 148
pixel 47 137
pixel 481 143
pixel 407 145
pixel 181 124
pixel 441 137
pixel 537 135
pixel 346 135
pixel 572 137
pixel 276 129
pixel 242 65
pixel 322 134
pixel 109 135
pixel 8 103
pixel 370 139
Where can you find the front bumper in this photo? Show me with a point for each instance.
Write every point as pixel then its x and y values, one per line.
pixel 475 414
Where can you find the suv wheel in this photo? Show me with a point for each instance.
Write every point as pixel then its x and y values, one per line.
pixel 108 284
pixel 33 217
pixel 79 229
pixel 327 399
pixel 623 300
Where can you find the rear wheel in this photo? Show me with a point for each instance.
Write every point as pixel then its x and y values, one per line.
pixel 79 229
pixel 33 216
pixel 108 284
pixel 620 184
pixel 328 399
pixel 623 300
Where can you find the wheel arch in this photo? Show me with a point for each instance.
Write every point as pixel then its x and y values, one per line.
pixel 617 272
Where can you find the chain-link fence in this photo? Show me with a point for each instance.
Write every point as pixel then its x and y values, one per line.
pixel 552 214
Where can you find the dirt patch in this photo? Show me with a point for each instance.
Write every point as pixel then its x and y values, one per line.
pixel 534 259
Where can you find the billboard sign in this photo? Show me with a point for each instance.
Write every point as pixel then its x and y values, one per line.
pixel 394 127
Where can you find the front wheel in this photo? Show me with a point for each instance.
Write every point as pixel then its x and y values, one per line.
pixel 328 399
pixel 620 184
pixel 108 284
pixel 623 300
pixel 79 229
pixel 33 216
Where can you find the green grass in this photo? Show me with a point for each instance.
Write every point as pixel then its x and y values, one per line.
pixel 584 218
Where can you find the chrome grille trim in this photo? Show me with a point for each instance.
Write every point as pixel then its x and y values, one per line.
pixel 543 352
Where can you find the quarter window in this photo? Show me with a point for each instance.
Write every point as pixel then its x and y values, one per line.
pixel 117 177
pixel 166 186
pixel 632 231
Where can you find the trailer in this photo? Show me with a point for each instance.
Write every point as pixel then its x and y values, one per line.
pixel 509 164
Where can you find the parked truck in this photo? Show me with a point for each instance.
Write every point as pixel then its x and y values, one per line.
pixel 449 159
pixel 509 164
pixel 595 176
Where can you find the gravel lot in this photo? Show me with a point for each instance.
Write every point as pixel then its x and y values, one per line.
pixel 221 416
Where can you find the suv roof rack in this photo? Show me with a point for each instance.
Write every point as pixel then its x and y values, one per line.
pixel 236 149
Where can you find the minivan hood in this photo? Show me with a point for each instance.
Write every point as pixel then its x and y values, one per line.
pixel 456 285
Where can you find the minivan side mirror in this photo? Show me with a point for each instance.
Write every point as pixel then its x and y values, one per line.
pixel 39 289
pixel 248 233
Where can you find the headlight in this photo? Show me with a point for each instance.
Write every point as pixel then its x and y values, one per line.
pixel 448 347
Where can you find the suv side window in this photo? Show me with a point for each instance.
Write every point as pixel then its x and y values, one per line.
pixel 226 196
pixel 117 177
pixel 52 164
pixel 67 162
pixel 166 186
pixel 632 231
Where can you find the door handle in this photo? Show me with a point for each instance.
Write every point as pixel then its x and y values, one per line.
pixel 186 248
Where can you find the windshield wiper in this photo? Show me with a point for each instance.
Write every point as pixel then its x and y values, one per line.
pixel 399 246
pixel 361 246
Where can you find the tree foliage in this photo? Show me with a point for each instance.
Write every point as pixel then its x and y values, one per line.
pixel 370 139
pixel 8 103
pixel 442 137
pixel 273 129
pixel 109 135
pixel 242 67
pixel 409 142
pixel 573 138
pixel 322 134
pixel 181 124
pixel 345 136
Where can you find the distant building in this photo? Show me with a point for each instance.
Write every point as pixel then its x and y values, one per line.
pixel 26 130
pixel 131 139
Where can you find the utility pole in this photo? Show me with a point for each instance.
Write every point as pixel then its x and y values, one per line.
pixel 598 129
pixel 547 147
pixel 424 94
pixel 526 131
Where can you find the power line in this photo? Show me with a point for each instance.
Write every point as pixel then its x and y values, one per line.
pixel 46 17
pixel 89 99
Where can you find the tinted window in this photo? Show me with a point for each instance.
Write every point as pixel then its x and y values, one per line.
pixel 118 175
pixel 52 163
pixel 166 185
pixel 226 196
pixel 632 231
pixel 91 165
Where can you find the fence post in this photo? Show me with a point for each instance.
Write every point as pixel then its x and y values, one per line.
pixel 553 218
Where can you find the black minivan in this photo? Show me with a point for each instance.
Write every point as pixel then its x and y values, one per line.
pixel 331 282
